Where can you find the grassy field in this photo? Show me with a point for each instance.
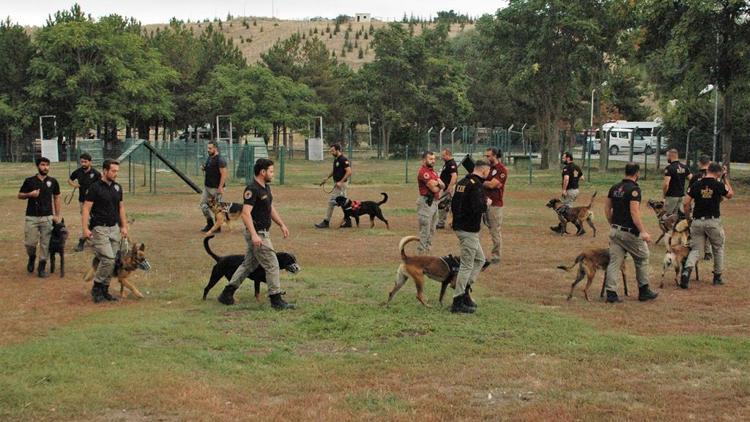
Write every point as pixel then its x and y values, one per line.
pixel 527 354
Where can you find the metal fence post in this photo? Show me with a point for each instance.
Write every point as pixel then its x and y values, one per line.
pixel 406 164
pixel 282 159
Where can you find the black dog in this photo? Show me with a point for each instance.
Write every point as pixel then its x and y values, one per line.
pixel 57 246
pixel 356 208
pixel 226 266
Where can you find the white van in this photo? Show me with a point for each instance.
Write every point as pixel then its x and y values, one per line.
pixel 645 137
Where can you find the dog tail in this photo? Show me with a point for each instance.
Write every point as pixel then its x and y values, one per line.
pixel 208 248
pixel 592 199
pixel 403 242
pixel 579 258
pixel 385 198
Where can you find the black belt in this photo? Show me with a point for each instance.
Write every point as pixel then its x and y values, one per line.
pixel 624 229
pixel 706 218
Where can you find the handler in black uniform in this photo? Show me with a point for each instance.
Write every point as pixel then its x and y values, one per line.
pixel 628 234
pixel 468 205
pixel 571 175
pixel 449 175
pixel 214 183
pixel 673 186
pixel 257 213
pixel 341 173
pixel 707 194
pixel 104 222
pixel 81 179
pixel 42 193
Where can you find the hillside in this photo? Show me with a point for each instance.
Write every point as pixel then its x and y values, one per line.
pixel 256 35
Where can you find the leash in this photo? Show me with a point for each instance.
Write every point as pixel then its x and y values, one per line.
pixel 69 197
pixel 323 186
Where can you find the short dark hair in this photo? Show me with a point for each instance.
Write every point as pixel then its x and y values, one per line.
pixel 41 160
pixel 337 147
pixel 568 154
pixel 496 152
pixel 109 163
pixel 704 160
pixel 262 164
pixel 214 143
pixel 481 163
pixel 631 169
pixel 85 156
pixel 715 168
pixel 426 153
pixel 673 151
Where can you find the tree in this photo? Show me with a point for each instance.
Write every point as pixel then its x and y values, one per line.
pixel 16 51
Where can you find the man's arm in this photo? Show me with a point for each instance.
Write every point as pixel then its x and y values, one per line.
pixel 635 213
pixel 277 219
pixel 452 182
pixel 665 185
pixel 123 220
pixel 493 183
pixel 686 204
pixel 608 210
pixel 347 174
pixel 728 186
pixel 222 178
pixel 57 206
pixel 435 185
pixel 565 181
pixel 73 183
pixel 85 213
pixel 247 218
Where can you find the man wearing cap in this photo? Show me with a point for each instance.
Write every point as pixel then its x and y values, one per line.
pixel 42 194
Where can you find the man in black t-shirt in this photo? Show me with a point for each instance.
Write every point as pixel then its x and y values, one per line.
pixel 448 175
pixel 628 234
pixel 341 173
pixel 81 179
pixel 673 186
pixel 215 168
pixel 257 213
pixel 703 163
pixel 43 195
pixel 104 222
pixel 468 205
pixel 571 175
pixel 707 195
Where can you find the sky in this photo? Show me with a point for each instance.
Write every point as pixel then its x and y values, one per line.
pixel 35 13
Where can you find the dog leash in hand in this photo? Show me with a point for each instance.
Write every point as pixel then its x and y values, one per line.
pixel 69 197
pixel 323 186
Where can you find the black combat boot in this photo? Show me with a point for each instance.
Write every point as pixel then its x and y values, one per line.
pixel 227 295
pixel 81 243
pixel 41 269
pixel 280 304
pixel 645 293
pixel 30 264
pixel 459 305
pixel 612 297
pixel 96 293
pixel 346 224
pixel 322 225
pixel 106 295
pixel 467 298
pixel 557 229
pixel 209 224
pixel 717 280
pixel 685 277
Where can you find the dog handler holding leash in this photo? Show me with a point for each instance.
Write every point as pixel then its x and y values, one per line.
pixel 43 195
pixel 628 234
pixel 571 174
pixel 257 213
pixel 341 173
pixel 104 222
pixel 82 178
pixel 215 179
pixel 449 176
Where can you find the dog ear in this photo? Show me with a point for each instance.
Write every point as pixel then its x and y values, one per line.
pixel 142 247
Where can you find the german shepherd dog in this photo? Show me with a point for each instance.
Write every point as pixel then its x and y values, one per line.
pixel 444 270
pixel 575 215
pixel 678 248
pixel 666 221
pixel 125 266
pixel 226 266
pixel 589 261
pixel 57 246
pixel 224 213
pixel 356 209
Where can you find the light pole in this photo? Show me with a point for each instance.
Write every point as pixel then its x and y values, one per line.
pixel 687 145
pixel 706 90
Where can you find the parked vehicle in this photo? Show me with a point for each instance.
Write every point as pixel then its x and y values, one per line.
pixel 646 134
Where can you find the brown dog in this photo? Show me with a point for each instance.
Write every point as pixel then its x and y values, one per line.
pixel 224 213
pixel 666 221
pixel 575 215
pixel 589 261
pixel 678 248
pixel 124 267
pixel 443 269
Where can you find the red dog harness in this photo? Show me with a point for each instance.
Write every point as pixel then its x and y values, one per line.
pixel 354 205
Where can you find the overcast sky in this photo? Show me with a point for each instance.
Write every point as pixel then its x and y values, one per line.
pixel 35 12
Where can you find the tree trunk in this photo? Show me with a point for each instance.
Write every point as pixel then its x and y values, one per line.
pixel 128 132
pixel 728 130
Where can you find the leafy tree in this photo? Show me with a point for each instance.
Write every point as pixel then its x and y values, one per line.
pixel 16 52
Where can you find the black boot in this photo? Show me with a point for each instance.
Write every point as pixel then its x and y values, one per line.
pixel 106 295
pixel 322 225
pixel 280 304
pixel 41 269
pixel 645 293
pixel 79 247
pixel 612 297
pixel 346 224
pixel 467 298
pixel 209 224
pixel 227 295
pixel 96 293
pixel 459 305
pixel 440 226
pixel 30 264
pixel 717 280
pixel 685 277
